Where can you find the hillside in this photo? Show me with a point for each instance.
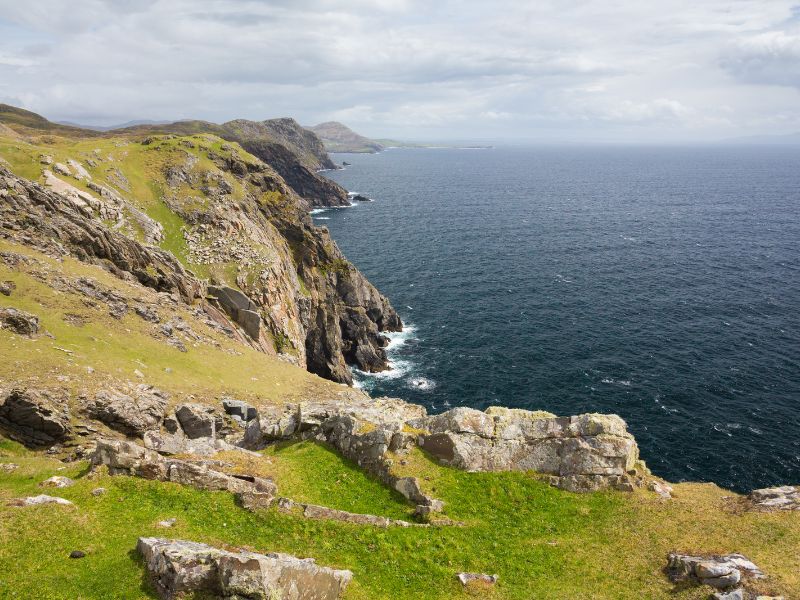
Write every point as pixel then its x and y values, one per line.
pixel 340 138
pixel 174 335
pixel 295 153
pixel 178 193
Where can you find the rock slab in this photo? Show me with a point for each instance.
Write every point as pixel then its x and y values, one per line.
pixel 179 567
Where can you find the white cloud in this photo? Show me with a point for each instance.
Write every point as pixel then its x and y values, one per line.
pixel 411 67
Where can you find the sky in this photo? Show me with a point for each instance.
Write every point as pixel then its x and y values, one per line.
pixel 581 70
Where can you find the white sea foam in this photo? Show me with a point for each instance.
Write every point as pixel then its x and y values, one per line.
pixel 323 218
pixel 421 383
pixel 624 382
pixel 317 211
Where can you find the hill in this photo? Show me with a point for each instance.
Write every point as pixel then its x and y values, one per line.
pixel 340 138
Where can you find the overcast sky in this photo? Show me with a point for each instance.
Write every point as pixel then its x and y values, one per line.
pixel 431 69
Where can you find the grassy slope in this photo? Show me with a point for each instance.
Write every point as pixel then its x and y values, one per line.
pixel 543 542
pixel 115 349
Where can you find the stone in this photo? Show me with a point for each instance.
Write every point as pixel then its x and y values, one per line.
pixel 722 572
pixel 62 169
pixel 182 567
pixel 466 578
pixel 167 523
pixel 77 554
pixel 583 453
pixel 165 443
pixel 57 481
pixel 6 287
pixel 40 499
pixel 35 418
pixel 196 420
pixel 785 497
pixel 19 321
pixel 239 307
pixel 98 491
pixel 662 489
pixel 8 467
pixel 737 594
pixel 255 501
pixel 238 408
pixel 127 458
pixel 132 413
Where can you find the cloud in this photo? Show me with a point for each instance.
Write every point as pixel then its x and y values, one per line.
pixel 407 68
pixel 772 57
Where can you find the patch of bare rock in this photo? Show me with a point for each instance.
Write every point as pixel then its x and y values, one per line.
pixel 34 418
pixel 179 567
pixel 19 321
pixel 786 497
pixel 38 500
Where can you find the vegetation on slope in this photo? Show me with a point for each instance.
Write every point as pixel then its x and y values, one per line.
pixel 543 542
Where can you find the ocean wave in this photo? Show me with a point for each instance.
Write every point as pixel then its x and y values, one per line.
pixel 317 211
pixel 421 383
pixel 608 380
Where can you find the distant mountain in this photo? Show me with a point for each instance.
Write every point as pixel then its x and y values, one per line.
pixel 339 138
pixel 133 123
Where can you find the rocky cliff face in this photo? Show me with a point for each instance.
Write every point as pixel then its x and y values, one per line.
pixel 229 217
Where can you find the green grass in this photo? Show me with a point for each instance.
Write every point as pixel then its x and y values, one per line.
pixel 543 542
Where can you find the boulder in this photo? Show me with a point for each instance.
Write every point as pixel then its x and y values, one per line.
pixel 6 287
pixel 183 567
pixel 240 409
pixel 35 418
pixel 196 420
pixel 19 321
pixel 583 453
pixel 8 467
pixel 723 572
pixel 131 413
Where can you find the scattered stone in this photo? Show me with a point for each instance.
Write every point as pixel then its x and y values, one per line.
pixel 18 321
pixel 720 572
pixel 77 554
pixel 99 491
pixel 314 511
pixel 167 523
pixel 6 287
pixel 62 169
pixel 132 414
pixel 662 489
pixel 138 373
pixel 79 171
pixel 182 567
pixel 466 578
pixel 40 499
pixel 786 497
pixel 45 159
pixel 57 481
pixel 147 313
pixel 34 418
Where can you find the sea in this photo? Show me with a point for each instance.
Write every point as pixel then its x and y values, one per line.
pixel 658 283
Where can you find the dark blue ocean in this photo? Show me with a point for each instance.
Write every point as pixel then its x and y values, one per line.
pixel 661 284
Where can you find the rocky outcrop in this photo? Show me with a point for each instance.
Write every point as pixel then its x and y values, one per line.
pixel 314 511
pixel 133 413
pixel 180 567
pixel 19 321
pixel 48 222
pixel 127 458
pixel 722 572
pixel 582 453
pixel 786 497
pixel 467 578
pixel 35 418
